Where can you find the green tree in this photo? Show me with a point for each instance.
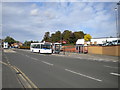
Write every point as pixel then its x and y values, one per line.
pixel 27 43
pixel 46 36
pixel 72 38
pixel 79 35
pixel 10 40
pixel 56 37
pixel 87 37
pixel 52 38
pixel 66 36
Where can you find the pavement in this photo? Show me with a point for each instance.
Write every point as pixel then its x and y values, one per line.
pixel 58 71
pixel 97 57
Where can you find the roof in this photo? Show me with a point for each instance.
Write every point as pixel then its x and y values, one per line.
pixel 41 43
pixel 98 40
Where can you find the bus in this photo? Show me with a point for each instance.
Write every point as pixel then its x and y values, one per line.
pixel 41 48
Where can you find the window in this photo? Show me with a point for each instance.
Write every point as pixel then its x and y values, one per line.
pixel 46 46
pixel 38 46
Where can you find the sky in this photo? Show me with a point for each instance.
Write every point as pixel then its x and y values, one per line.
pixel 30 20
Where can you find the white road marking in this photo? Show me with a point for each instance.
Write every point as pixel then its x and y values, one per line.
pixel 115 61
pixel 83 75
pixel 47 63
pixel 110 67
pixel 27 56
pixel 34 58
pixel 115 74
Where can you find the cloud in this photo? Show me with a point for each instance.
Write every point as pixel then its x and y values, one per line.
pixel 29 21
pixel 34 12
pixel 60 0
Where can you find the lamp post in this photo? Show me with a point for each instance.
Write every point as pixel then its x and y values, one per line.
pixel 118 4
pixel 117 11
pixel 116 21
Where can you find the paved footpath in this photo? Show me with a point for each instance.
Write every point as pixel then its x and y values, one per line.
pixel 89 56
pixel 96 57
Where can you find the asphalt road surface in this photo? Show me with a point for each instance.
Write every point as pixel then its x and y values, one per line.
pixel 50 71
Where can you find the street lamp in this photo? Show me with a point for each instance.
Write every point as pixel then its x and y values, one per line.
pixel 118 4
pixel 116 20
pixel 117 11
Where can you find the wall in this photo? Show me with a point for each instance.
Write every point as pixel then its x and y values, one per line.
pixel 95 49
pixel 111 50
pixel 105 50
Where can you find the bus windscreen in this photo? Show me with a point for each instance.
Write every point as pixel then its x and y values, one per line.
pixel 46 46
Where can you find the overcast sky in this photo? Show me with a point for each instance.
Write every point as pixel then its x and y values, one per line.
pixel 30 20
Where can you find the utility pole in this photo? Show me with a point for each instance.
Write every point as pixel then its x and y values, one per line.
pixel 117 13
pixel 118 4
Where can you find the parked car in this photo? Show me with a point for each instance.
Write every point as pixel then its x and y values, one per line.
pixel 116 42
pixel 108 44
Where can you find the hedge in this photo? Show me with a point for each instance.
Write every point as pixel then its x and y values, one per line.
pixel 24 47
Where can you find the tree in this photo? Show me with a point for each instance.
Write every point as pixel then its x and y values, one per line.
pixel 52 38
pixel 10 40
pixel 79 34
pixel 27 43
pixel 66 35
pixel 46 36
pixel 56 37
pixel 87 37
pixel 72 38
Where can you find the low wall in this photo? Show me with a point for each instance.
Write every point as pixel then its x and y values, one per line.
pixel 95 49
pixel 111 50
pixel 105 50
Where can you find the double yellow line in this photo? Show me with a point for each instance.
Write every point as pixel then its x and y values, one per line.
pixel 22 77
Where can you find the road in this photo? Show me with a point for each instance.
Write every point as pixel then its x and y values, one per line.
pixel 50 71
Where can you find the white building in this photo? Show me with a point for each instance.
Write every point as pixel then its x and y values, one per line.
pixel 5 45
pixel 96 41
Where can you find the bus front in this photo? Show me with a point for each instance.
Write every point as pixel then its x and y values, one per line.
pixel 46 48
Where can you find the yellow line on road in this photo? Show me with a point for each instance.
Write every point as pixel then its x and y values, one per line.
pixel 33 85
pixel 29 83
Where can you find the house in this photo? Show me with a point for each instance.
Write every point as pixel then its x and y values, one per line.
pixel 16 45
pixel 5 45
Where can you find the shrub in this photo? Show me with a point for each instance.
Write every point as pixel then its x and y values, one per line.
pixel 24 47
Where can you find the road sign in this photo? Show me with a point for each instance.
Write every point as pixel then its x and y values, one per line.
pixel 64 42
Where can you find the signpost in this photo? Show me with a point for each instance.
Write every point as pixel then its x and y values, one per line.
pixel 64 42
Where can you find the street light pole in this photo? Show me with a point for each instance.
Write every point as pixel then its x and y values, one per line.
pixel 117 11
pixel 118 4
pixel 116 21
